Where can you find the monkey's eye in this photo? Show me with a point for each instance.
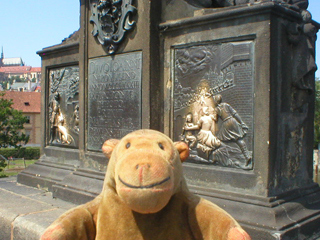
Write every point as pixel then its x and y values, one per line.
pixel 161 146
pixel 128 145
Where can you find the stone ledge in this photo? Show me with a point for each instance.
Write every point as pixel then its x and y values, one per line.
pixel 25 212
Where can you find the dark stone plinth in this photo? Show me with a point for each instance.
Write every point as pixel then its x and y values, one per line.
pixel 51 168
pixel 294 215
pixel 63 176
pixel 275 197
pixel 44 174
pixel 79 187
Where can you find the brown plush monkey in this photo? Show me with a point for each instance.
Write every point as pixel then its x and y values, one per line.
pixel 145 197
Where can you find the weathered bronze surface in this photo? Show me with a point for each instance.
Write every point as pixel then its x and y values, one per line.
pixel 114 97
pixel 213 102
pixel 293 4
pixel 64 106
pixel 111 20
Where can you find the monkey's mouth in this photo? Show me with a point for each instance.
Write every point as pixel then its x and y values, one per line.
pixel 144 186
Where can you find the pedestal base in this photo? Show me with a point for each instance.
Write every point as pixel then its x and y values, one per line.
pixel 65 181
pixel 293 216
pixel 80 186
pixel 44 174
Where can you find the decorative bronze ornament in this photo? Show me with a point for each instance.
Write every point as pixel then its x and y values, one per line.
pixel 111 20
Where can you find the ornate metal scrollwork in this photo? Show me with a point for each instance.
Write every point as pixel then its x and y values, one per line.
pixel 111 19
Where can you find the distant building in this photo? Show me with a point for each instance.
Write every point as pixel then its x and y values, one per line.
pixel 15 67
pixel 25 72
pixel 5 62
pixel 30 105
pixel 25 87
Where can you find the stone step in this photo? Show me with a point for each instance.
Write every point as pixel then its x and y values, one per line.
pixel 25 212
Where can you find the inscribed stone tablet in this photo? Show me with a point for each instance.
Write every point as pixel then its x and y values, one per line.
pixel 114 97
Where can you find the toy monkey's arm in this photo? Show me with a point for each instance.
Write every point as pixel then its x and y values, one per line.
pixel 208 222
pixel 76 224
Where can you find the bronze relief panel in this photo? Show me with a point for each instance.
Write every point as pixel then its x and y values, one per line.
pixel 63 114
pixel 213 102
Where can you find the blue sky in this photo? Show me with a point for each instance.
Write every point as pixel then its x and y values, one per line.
pixel 27 26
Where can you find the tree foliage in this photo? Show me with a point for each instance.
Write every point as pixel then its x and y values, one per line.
pixel 2 166
pixel 16 79
pixel 11 124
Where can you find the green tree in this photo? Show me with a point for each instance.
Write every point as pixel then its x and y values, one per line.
pixel 2 166
pixel 17 79
pixel 11 124
pixel 317 115
pixel 10 81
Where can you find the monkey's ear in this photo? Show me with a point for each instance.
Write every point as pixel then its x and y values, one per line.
pixel 183 150
pixel 108 146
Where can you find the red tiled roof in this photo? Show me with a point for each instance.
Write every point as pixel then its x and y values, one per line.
pixel 38 89
pixel 20 69
pixel 27 102
pixel 35 69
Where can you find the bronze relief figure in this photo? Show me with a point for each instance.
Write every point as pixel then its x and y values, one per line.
pixel 216 123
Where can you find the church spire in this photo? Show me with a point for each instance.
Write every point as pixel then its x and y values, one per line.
pixel 1 58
